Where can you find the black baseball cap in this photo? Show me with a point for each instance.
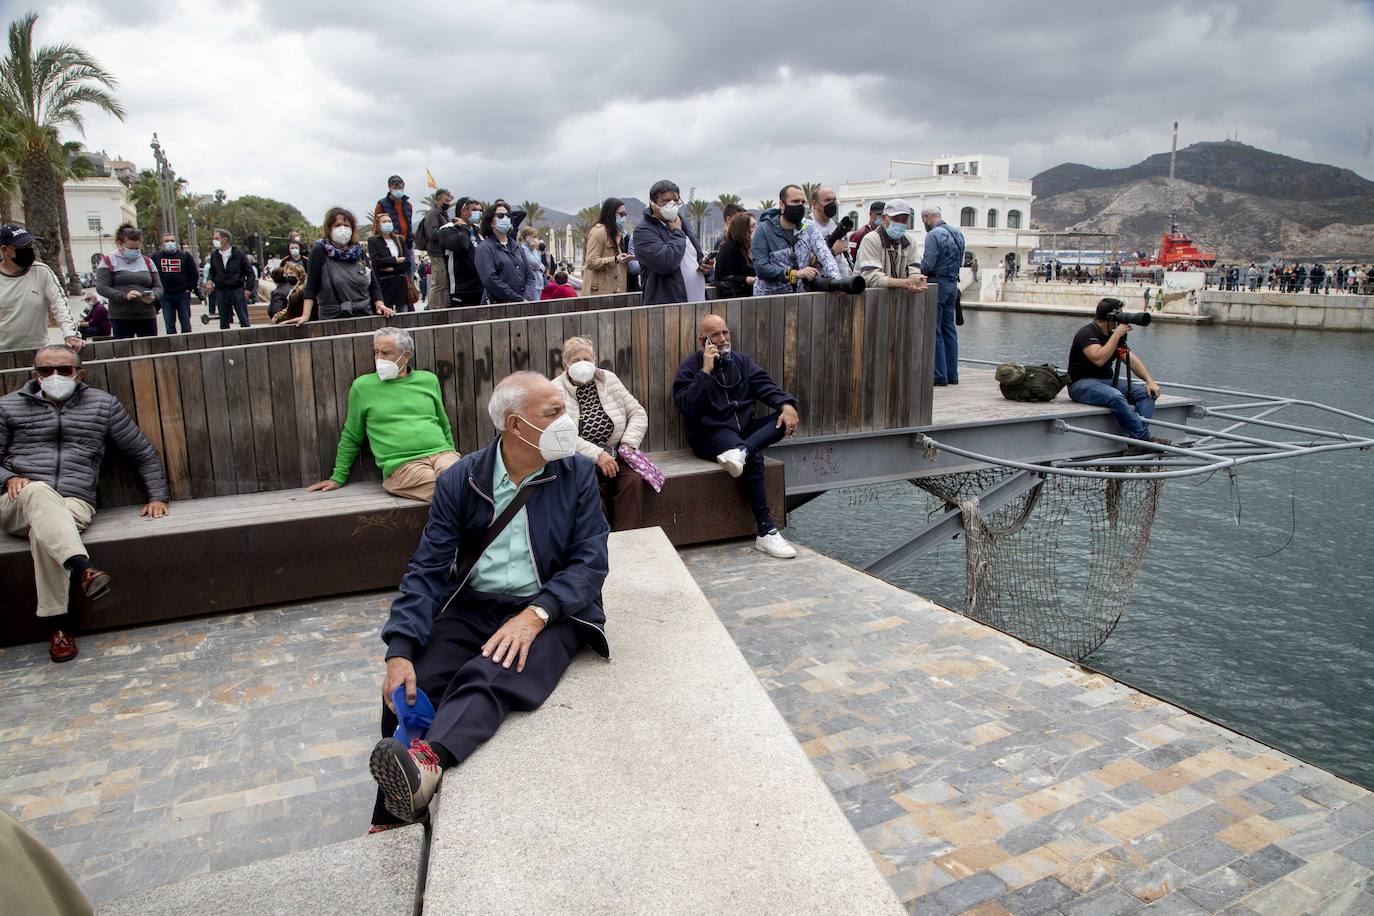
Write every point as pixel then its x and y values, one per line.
pixel 17 236
pixel 395 179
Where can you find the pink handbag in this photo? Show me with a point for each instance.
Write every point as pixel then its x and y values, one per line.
pixel 642 466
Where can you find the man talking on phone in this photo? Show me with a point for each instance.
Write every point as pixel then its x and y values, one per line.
pixel 715 390
pixel 672 267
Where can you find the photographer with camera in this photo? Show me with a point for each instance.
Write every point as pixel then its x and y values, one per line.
pixel 1096 359
pixel 785 241
pixel 824 208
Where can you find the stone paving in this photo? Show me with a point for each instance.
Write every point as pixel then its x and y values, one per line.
pixel 984 775
pixel 990 777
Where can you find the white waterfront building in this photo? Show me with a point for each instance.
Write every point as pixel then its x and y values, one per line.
pixel 974 192
pixel 96 207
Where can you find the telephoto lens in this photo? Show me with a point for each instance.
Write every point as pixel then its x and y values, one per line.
pixel 851 286
pixel 1139 319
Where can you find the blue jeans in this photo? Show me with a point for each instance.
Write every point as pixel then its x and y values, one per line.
pixel 946 335
pixel 1101 393
pixel 229 302
pixel 758 435
pixel 174 306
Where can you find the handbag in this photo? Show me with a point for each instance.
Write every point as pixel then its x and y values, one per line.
pixel 641 465
pixel 340 308
pixel 412 291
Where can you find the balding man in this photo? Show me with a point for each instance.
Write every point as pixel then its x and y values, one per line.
pixel 52 440
pixel 825 207
pixel 715 391
pixel 503 591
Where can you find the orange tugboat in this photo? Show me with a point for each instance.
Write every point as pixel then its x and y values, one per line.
pixel 1177 252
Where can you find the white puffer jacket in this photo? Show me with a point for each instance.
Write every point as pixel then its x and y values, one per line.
pixel 629 416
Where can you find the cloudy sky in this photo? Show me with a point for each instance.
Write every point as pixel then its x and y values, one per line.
pixel 316 103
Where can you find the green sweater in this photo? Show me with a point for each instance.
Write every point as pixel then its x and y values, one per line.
pixel 403 420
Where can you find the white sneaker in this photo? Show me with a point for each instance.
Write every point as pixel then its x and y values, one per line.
pixel 775 545
pixel 732 461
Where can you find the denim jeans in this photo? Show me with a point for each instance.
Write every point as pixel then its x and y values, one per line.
pixel 946 335
pixel 758 435
pixel 176 306
pixel 228 303
pixel 1101 393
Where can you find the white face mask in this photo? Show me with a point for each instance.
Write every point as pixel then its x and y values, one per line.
pixel 57 387
pixel 295 250
pixel 388 369
pixel 217 244
pixel 557 440
pixel 341 235
pixel 669 211
pixel 582 371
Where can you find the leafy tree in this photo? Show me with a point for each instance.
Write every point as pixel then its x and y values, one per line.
pixel 697 210
pixel 767 205
pixel 727 200
pixel 586 219
pixel 74 167
pixel 45 89
pixel 809 188
pixel 11 152
pixel 261 224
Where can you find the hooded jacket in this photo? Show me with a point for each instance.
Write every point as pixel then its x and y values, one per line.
pixel 62 445
pixel 659 251
pixel 567 536
pixel 775 251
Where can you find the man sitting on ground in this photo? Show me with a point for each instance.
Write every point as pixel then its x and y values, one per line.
pixel 52 439
pixel 480 630
pixel 1094 374
pixel 400 412
pixel 715 390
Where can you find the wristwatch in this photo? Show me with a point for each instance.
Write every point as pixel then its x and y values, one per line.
pixel 539 612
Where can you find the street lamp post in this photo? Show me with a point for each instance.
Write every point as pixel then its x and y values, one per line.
pixel 166 189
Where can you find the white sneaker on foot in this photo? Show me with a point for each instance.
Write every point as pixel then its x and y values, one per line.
pixel 775 545
pixel 732 461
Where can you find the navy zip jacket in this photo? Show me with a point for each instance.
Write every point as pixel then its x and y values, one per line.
pixel 725 398
pixel 502 269
pixel 567 532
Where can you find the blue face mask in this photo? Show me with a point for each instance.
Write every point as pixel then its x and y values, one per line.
pixel 619 221
pixel 398 193
pixel 895 231
pixel 502 223
pixel 476 217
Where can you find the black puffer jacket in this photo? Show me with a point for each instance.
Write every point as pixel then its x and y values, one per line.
pixel 63 447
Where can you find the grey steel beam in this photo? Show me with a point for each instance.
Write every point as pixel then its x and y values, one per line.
pixel 951 524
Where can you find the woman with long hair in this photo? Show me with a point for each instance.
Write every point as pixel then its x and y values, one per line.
pixel 604 270
pixel 734 261
pixel 500 266
pixel 339 284
pixel 386 249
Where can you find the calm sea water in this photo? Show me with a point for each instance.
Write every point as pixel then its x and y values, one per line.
pixel 1266 625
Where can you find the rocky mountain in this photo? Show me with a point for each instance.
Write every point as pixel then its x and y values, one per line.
pixel 1241 202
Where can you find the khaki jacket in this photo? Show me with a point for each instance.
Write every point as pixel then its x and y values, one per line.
pixel 876 260
pixel 601 274
pixel 629 416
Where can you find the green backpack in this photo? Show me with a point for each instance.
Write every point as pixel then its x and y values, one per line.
pixel 1030 383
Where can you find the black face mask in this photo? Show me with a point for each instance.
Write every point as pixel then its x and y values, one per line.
pixel 24 257
pixel 831 209
pixel 794 213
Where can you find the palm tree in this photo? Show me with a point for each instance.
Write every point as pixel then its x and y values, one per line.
pixel 697 210
pixel 586 219
pixel 71 166
pixel 11 151
pixel 767 205
pixel 46 89
pixel 146 196
pixel 534 214
pixel 809 188
pixel 727 200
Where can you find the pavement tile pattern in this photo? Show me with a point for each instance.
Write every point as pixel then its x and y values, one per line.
pixel 987 776
pixel 984 775
pixel 174 750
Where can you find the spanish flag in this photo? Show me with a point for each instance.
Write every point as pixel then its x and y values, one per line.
pixel 429 180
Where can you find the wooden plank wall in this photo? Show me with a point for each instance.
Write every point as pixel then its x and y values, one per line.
pixel 244 419
pixel 205 340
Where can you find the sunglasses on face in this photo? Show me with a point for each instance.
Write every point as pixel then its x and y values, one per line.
pixel 45 371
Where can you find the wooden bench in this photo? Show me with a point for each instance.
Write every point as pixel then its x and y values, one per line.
pixel 230 553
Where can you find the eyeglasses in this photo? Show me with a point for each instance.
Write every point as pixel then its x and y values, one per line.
pixel 45 371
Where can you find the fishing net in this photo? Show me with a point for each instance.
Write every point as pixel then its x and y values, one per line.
pixel 1055 566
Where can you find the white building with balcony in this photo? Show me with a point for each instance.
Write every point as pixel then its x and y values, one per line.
pixel 974 192
pixel 96 207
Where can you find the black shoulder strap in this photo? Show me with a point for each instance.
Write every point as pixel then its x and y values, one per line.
pixel 472 554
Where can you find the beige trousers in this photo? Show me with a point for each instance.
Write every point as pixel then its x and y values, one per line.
pixel 415 479
pixel 438 283
pixel 53 525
